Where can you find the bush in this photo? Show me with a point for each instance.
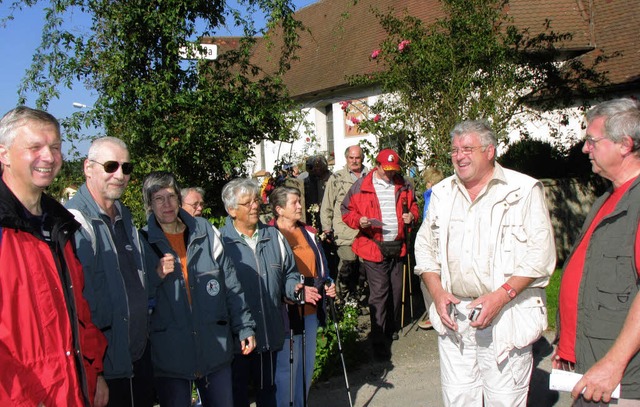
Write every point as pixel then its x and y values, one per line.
pixel 328 361
pixel 553 291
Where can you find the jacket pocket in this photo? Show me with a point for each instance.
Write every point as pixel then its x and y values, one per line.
pixel 528 318
pixel 616 287
pixel 210 292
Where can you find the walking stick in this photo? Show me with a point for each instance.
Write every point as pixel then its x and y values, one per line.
pixel 404 276
pixel 332 306
pixel 409 273
pixel 405 209
pixel 304 358
pixel 300 307
pixel 290 365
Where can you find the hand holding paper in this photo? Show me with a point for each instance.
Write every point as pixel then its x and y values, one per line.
pixel 562 380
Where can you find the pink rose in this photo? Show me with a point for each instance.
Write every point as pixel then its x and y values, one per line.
pixel 376 118
pixel 308 139
pixel 355 120
pixel 403 44
pixel 375 54
pixel 344 105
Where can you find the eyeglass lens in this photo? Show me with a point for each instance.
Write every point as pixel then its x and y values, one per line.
pixel 112 166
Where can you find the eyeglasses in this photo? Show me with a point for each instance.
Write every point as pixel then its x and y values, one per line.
pixel 162 199
pixel 112 166
pixel 249 204
pixel 591 142
pixel 464 150
pixel 195 205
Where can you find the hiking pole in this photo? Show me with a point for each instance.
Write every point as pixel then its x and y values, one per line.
pixel 332 306
pixel 290 364
pixel 404 283
pixel 405 209
pixel 300 307
pixel 304 359
pixel 409 273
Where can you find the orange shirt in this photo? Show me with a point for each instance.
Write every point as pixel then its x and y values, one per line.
pixel 305 259
pixel 572 276
pixel 176 241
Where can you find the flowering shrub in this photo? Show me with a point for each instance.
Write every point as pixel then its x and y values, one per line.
pixel 403 45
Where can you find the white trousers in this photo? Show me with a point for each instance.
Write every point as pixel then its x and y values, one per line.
pixel 470 373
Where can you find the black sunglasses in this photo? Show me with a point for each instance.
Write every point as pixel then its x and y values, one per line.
pixel 112 166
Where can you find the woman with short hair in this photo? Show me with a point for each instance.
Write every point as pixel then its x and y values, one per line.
pixel 200 305
pixel 312 264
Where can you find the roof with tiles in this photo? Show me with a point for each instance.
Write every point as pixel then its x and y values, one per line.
pixel 341 36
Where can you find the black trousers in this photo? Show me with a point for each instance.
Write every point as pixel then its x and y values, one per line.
pixel 137 391
pixel 258 369
pixel 385 292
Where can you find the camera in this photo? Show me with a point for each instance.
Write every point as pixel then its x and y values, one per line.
pixel 473 315
pixel 299 295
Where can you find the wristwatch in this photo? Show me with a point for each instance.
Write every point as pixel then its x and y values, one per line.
pixel 510 291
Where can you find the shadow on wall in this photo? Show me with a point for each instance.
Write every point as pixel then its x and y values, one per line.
pixel 569 201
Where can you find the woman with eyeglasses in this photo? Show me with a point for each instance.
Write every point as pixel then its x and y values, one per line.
pixel 303 320
pixel 200 305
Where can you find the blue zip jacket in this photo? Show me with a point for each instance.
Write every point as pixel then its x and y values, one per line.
pixel 190 341
pixel 104 286
pixel 267 276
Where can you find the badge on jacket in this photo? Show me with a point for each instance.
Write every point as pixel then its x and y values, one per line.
pixel 213 287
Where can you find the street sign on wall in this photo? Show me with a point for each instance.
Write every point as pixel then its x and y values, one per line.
pixel 199 51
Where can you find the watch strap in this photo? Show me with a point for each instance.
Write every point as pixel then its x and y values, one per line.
pixel 510 291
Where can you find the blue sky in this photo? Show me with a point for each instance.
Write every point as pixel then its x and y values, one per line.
pixel 19 40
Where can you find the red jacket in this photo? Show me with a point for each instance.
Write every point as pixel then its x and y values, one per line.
pixel 361 200
pixel 50 351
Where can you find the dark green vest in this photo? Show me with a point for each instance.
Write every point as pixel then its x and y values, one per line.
pixel 609 285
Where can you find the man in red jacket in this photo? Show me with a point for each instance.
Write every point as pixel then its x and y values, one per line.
pixel 381 206
pixel 50 352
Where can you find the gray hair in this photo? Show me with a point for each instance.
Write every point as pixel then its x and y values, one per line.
pixel 279 197
pixel 346 151
pixel 156 181
pixel 236 188
pixel 22 116
pixel 622 119
pixel 480 127
pixel 98 144
pixel 185 191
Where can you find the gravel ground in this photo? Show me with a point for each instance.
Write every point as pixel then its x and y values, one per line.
pixel 412 376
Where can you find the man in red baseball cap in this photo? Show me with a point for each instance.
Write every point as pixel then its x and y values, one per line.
pixel 379 206
pixel 388 160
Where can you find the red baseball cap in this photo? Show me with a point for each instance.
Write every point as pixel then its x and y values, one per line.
pixel 389 160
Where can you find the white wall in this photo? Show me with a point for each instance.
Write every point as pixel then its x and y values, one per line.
pixel 541 126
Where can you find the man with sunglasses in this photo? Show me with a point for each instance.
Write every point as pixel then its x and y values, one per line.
pixel 108 247
pixel 485 251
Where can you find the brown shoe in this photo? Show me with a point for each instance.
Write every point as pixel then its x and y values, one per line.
pixel 425 324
